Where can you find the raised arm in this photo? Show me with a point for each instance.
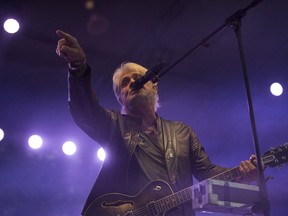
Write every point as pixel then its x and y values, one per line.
pixel 93 119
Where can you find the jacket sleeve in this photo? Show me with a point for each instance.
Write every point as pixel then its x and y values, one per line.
pixel 84 106
pixel 202 166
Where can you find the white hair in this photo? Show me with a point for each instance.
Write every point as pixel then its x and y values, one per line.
pixel 125 68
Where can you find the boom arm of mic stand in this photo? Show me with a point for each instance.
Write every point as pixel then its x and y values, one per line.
pixel 155 71
pixel 228 22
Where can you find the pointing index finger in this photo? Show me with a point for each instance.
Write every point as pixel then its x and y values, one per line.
pixel 65 35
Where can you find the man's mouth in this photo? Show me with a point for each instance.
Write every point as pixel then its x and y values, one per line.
pixel 132 92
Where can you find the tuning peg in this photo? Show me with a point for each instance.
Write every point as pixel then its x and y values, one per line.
pixel 272 150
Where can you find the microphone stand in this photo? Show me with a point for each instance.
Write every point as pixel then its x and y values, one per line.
pixel 234 21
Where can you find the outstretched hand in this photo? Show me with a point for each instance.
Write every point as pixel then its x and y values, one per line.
pixel 69 48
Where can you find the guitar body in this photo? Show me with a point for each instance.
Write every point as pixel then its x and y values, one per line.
pixel 117 204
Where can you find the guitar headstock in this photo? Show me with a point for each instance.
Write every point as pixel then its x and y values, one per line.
pixel 276 156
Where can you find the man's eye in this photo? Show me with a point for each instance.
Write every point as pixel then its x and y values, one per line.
pixel 125 82
pixel 136 76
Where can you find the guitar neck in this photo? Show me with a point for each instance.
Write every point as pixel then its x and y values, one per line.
pixel 228 175
pixel 182 196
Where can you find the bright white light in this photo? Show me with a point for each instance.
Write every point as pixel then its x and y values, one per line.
pixel 35 141
pixel 101 154
pixel 11 26
pixel 1 134
pixel 276 89
pixel 69 148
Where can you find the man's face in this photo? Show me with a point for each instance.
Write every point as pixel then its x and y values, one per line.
pixel 132 99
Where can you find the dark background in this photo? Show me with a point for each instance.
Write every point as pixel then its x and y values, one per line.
pixel 206 90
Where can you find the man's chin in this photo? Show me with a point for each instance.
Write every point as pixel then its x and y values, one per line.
pixel 137 101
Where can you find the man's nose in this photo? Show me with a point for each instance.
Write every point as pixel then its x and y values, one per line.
pixel 131 81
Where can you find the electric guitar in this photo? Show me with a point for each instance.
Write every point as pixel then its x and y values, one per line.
pixel 157 197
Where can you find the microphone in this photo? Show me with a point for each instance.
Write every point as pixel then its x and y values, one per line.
pixel 151 74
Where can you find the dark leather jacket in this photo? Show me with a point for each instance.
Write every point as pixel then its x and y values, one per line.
pixel 119 134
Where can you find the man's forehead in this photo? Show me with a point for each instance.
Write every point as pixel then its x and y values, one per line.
pixel 130 72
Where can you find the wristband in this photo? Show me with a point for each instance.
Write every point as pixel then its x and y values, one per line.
pixel 77 64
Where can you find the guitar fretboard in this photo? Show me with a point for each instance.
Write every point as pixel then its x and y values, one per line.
pixel 228 175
